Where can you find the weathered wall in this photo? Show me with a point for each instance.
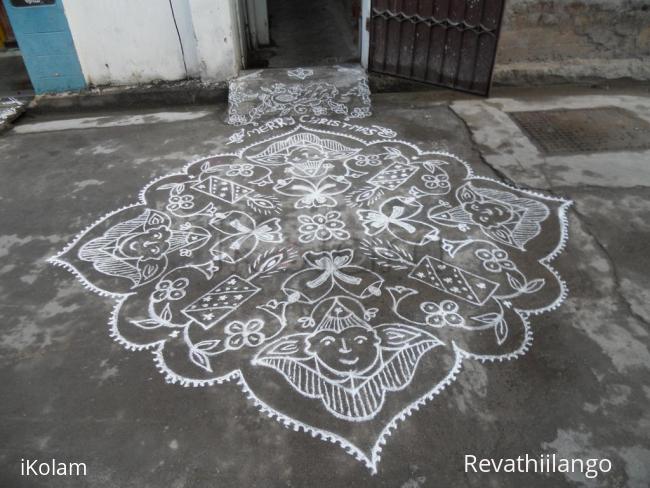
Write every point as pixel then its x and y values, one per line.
pixel 124 42
pixel 217 36
pixel 572 39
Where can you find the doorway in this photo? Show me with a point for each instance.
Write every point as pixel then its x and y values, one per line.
pixel 14 80
pixel 306 33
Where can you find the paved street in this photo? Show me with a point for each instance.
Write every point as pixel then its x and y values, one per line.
pixel 504 368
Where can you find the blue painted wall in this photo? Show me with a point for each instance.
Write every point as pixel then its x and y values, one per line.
pixel 45 42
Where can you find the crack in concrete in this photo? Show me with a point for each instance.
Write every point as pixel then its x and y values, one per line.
pixel 593 187
pixel 500 174
pixel 497 172
pixel 612 263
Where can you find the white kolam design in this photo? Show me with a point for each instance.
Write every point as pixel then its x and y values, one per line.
pixel 336 91
pixel 10 108
pixel 300 73
pixel 341 281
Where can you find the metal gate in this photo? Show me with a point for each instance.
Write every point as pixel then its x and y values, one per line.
pixel 450 43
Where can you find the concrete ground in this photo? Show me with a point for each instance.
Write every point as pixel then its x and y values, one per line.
pixel 71 393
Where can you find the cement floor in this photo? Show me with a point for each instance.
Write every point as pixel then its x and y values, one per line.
pixel 73 394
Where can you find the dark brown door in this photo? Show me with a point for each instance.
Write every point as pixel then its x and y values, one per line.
pixel 450 43
pixel 7 35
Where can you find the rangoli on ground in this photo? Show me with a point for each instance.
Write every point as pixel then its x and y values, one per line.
pixel 335 91
pixel 341 281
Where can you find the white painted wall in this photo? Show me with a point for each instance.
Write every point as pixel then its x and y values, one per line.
pixel 183 16
pixel 123 42
pixel 217 37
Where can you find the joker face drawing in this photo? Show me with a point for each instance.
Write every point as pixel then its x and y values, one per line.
pixel 345 362
pixel 488 214
pixel 350 351
pixel 306 155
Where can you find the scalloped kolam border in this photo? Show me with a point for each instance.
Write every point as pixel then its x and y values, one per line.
pixel 375 457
